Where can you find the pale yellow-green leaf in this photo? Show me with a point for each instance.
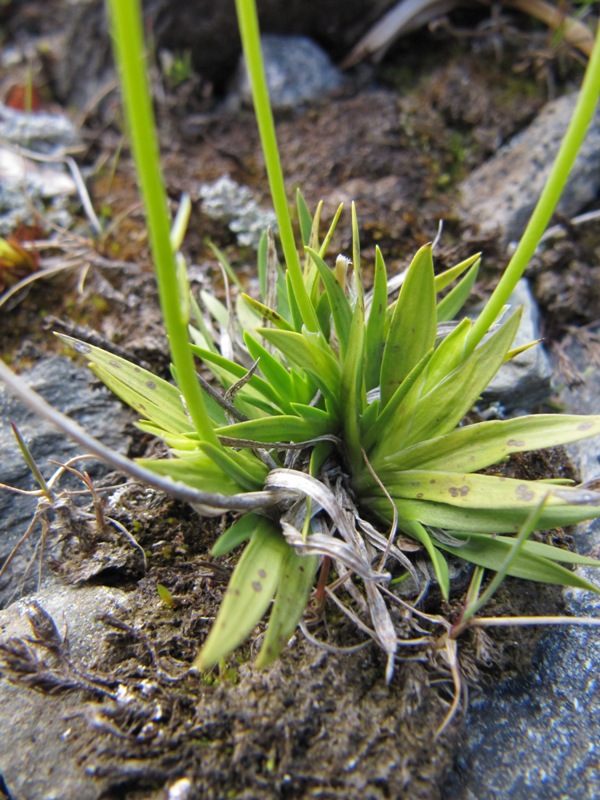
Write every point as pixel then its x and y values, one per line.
pixel 290 602
pixel 475 491
pixel 474 447
pixel 491 553
pixel 311 353
pixel 282 428
pixel 236 534
pixel 445 278
pixel 197 471
pixel 451 304
pixel 153 397
pixel 243 466
pixel 423 416
pixel 479 519
pixel 374 335
pixel 413 326
pixel 338 300
pixel 352 386
pixel 251 588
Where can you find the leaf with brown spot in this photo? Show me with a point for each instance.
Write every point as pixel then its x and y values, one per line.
pixel 290 602
pixel 475 447
pixel 251 588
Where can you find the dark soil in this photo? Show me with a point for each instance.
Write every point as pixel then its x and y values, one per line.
pixel 317 723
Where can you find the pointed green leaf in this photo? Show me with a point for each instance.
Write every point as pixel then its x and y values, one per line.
pixel 153 397
pixel 418 532
pixel 358 279
pixel 292 596
pixel 440 410
pixel 251 588
pixel 261 264
pixel 516 351
pixel 448 355
pixel 283 302
pixel 236 534
pixel 247 318
pixel 352 386
pixel 338 301
pixel 181 442
pixel 295 315
pixel 305 219
pixel 229 373
pixel 555 553
pixel 197 471
pixel 276 375
pixel 475 491
pixel 375 339
pixel 445 278
pixel 323 309
pixel 30 460
pixel 451 304
pixel 518 544
pixel 413 326
pixel 311 353
pixel 478 520
pixel 318 417
pixel 282 428
pixel 386 426
pixel 227 268
pixel 244 468
pixel 199 330
pixel 477 446
pixel 491 552
pixel 216 308
pixel 268 313
pixel 368 420
pixel 329 235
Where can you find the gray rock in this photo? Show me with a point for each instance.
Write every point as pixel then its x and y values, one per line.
pixel 525 381
pixel 297 71
pixel 27 185
pixel 39 131
pixel 207 29
pixel 539 736
pixel 42 762
pixel 67 387
pixel 507 187
pixel 235 205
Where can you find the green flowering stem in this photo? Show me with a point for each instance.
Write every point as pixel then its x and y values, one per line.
pixel 126 21
pixel 250 33
pixel 570 146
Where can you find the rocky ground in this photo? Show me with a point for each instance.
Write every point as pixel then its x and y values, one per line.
pixel 96 700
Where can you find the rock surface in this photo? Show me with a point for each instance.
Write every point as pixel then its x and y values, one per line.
pixel 66 387
pixel 524 381
pixel 207 29
pixel 499 196
pixel 41 763
pixel 235 205
pixel 297 72
pixel 27 187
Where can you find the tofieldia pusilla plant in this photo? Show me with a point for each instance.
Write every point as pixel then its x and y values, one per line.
pixel 335 420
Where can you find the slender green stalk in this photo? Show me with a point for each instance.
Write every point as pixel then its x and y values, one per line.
pixel 126 20
pixel 250 33
pixel 525 532
pixel 570 146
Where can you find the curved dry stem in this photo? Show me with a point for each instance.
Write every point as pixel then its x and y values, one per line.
pixel 497 622
pixel 207 503
pixel 450 653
